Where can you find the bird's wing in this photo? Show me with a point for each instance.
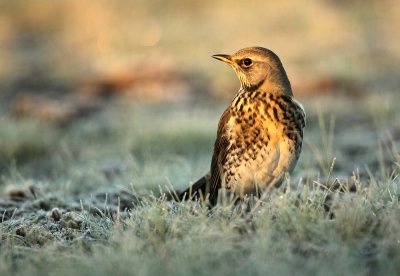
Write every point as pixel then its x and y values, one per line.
pixel 221 148
pixel 295 117
pixel 301 113
pixel 299 120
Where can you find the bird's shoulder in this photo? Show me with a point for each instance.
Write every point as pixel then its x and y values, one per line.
pixel 223 121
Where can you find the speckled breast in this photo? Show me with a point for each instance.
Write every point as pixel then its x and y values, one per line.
pixel 265 142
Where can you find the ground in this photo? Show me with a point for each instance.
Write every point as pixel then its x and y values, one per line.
pixel 87 196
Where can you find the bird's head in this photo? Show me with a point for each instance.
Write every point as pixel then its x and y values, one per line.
pixel 258 69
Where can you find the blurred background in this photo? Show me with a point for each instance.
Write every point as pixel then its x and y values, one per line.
pixel 101 91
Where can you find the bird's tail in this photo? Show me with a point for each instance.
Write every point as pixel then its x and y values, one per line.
pixel 199 189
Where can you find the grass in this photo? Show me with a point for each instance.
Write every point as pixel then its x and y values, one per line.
pixel 290 233
pixel 73 223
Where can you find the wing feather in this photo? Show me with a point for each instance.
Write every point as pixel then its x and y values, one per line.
pixel 221 148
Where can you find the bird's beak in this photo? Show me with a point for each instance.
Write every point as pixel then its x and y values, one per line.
pixel 224 58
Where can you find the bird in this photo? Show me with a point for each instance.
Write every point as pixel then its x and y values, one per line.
pixel 260 134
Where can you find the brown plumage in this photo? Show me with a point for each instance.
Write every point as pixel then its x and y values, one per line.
pixel 259 135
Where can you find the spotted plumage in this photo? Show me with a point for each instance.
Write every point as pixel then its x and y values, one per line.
pixel 259 135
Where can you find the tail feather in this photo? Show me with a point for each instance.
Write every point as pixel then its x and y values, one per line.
pixel 198 189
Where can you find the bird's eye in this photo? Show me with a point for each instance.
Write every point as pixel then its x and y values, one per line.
pixel 247 62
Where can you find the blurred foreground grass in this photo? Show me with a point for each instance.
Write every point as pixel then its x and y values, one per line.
pixel 74 224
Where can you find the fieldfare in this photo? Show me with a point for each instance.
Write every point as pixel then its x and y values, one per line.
pixel 259 135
